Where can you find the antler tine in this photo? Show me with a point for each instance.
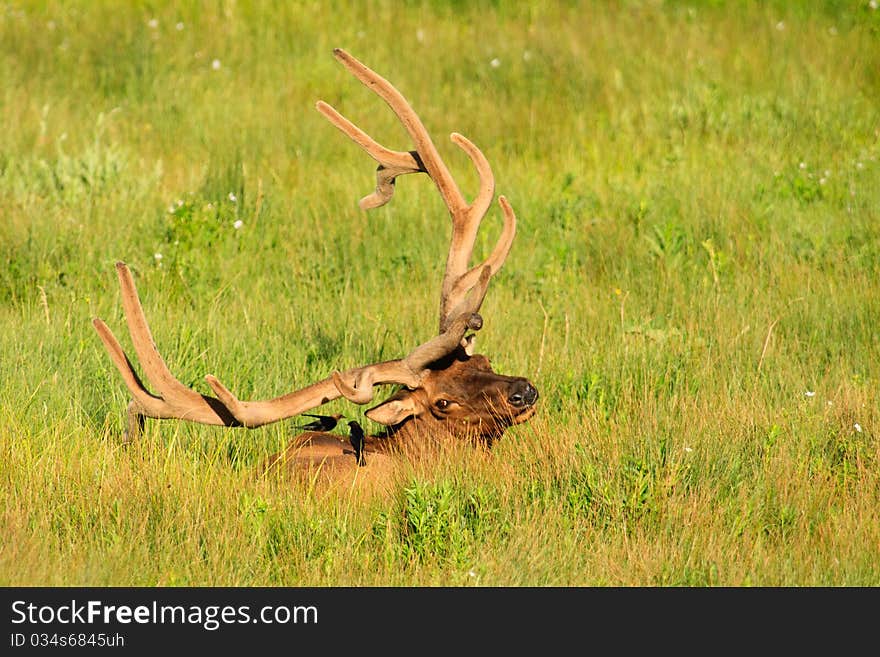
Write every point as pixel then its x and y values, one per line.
pixel 132 381
pixel 463 283
pixel 466 218
pixel 391 163
pixel 156 370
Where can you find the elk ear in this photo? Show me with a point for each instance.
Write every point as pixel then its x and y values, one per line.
pixel 395 409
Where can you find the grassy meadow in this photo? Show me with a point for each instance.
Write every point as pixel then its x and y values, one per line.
pixel 693 288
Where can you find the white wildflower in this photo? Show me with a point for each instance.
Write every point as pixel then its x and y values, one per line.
pixel 157 256
pixel 216 64
pixel 495 63
pixel 857 427
pixel 527 55
pixel 179 27
pixel 780 26
pixel 471 573
pixel 238 224
pixel 802 165
pixel 873 4
pixel 810 393
pixel 689 449
pixel 232 197
pixel 171 209
pixel 420 35
pixel 822 181
pixel 153 23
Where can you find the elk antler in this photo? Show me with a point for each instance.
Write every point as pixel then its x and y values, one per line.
pixel 174 400
pixel 466 217
pixel 462 292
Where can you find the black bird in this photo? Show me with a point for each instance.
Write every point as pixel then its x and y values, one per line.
pixel 356 438
pixel 321 422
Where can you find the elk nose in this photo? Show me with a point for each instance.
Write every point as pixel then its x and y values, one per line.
pixel 523 394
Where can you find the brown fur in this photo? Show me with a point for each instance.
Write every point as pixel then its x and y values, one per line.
pixel 477 410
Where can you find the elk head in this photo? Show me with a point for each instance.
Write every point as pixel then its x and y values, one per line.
pixel 445 387
pixel 461 396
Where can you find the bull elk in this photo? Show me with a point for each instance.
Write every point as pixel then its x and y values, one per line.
pixel 446 389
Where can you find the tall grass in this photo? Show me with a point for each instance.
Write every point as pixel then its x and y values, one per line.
pixel 692 288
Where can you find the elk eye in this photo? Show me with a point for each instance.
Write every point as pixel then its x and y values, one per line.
pixel 442 404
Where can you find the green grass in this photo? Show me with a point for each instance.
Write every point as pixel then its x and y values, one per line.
pixel 698 248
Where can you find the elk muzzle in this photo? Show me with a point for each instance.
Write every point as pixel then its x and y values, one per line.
pixel 522 394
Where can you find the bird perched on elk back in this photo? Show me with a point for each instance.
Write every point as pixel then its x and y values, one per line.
pixel 357 439
pixel 321 422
